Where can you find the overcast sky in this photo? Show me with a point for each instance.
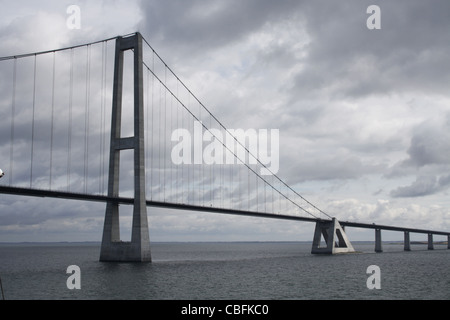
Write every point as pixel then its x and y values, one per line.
pixel 363 115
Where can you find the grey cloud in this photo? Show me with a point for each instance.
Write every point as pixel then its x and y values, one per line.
pixel 352 61
pixel 429 147
pixel 328 167
pixel 428 158
pixel 444 181
pixel 199 26
pixel 423 186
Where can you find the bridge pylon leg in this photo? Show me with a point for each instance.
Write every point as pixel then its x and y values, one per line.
pixel 112 248
pixel 334 236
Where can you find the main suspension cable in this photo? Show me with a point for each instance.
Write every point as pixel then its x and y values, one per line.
pixel 226 130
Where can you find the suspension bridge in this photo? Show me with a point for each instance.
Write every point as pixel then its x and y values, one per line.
pixel 64 141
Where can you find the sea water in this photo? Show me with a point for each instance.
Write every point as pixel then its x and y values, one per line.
pixel 228 271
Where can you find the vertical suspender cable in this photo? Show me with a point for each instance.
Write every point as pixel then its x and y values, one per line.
pixel 265 198
pixel 53 112
pixel 160 139
pixel 13 112
pixel 211 175
pixel 171 162
pixel 230 182
pixel 102 121
pixel 273 200
pixel 86 117
pixel 202 181
pixel 69 131
pixel 182 164
pixel 249 174
pixel 189 166
pixel 164 135
pixel 151 128
pixel 105 139
pixel 32 123
pixel 102 93
pixel 177 168
pixel 239 181
pixel 257 191
pixel 146 132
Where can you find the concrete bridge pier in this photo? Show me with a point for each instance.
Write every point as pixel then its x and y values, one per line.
pixel 378 246
pixel 334 236
pixel 407 242
pixel 430 241
pixel 448 242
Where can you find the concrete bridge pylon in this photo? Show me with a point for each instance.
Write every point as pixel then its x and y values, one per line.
pixel 113 248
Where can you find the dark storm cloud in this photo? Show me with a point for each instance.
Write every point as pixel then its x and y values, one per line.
pixel 198 26
pixel 342 60
pixel 410 52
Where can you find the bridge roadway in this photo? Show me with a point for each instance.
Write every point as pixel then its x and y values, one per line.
pixel 124 200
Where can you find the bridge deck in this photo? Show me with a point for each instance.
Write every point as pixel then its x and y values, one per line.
pixel 179 206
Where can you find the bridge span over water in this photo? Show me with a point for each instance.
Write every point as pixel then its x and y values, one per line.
pixel 159 102
pixel 323 225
